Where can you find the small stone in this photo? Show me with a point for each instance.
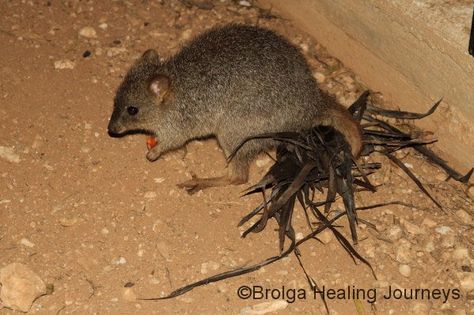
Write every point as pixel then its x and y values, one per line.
pixel 466 279
pixel 20 287
pixel 325 236
pixel 9 155
pixel 320 78
pixel 429 247
pixel 64 64
pixel 158 180
pixel 394 233
pixel 448 241
pixel 119 261
pixel 465 217
pixel 404 270
pixel 412 228
pixel 461 254
pixel 103 26
pixel 428 223
pixel 114 51
pixel 299 236
pixel 264 308
pixel 150 195
pixel 104 231
pixel 186 35
pixel 67 222
pixel 88 32
pixel 26 242
pixel 129 295
pixel 443 230
pixel 403 252
pixel 245 3
pixel 86 54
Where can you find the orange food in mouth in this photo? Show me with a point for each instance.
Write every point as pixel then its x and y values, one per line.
pixel 151 142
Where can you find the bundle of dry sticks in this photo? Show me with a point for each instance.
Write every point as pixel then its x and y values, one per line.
pixel 315 166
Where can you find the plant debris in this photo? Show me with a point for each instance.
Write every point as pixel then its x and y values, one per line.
pixel 312 168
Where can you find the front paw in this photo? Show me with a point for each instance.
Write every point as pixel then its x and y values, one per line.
pixel 192 186
pixel 153 155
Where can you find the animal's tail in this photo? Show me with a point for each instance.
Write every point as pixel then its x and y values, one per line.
pixel 340 119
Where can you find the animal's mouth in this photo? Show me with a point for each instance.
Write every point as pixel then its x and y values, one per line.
pixel 151 142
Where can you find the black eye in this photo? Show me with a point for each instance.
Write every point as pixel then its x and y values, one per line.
pixel 132 110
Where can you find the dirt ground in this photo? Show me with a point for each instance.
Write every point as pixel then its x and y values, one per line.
pixel 102 226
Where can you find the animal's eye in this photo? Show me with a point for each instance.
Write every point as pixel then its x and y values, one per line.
pixel 132 110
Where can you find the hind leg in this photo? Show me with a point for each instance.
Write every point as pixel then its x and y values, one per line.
pixel 237 174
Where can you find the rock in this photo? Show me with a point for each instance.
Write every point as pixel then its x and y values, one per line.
pixel 245 3
pixel 128 294
pixel 443 230
pixel 403 252
pixel 150 195
pixel 325 236
pixel 67 222
pixel 26 242
pixel 464 216
pixel 461 254
pixel 64 64
pixel 186 35
pixel 429 247
pixel 88 32
pixel 9 155
pixel 264 308
pixel 466 279
pixel 394 233
pixel 119 261
pixel 404 270
pixel 115 51
pixel 412 228
pixel 428 223
pixel 20 287
pixel 320 78
pixel 103 26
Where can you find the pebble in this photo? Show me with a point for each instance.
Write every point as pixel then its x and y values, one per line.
pixel 64 64
pixel 443 230
pixel 114 51
pixel 9 155
pixel 264 308
pixel 394 233
pixel 245 3
pixel 103 26
pixel 186 35
pixel 466 279
pixel 461 254
pixel 428 223
pixel 404 270
pixel 26 242
pixel 20 287
pixel 119 261
pixel 129 294
pixel 158 180
pixel 465 217
pixel 320 78
pixel 150 195
pixel 403 252
pixel 67 222
pixel 325 236
pixel 412 228
pixel 429 247
pixel 88 32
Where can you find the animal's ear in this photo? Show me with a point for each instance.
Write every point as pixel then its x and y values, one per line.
pixel 160 86
pixel 151 56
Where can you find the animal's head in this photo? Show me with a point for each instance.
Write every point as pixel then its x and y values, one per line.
pixel 141 98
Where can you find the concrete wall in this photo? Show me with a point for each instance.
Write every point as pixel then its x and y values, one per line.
pixel 414 54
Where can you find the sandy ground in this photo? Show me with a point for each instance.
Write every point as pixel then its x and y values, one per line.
pixel 102 225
